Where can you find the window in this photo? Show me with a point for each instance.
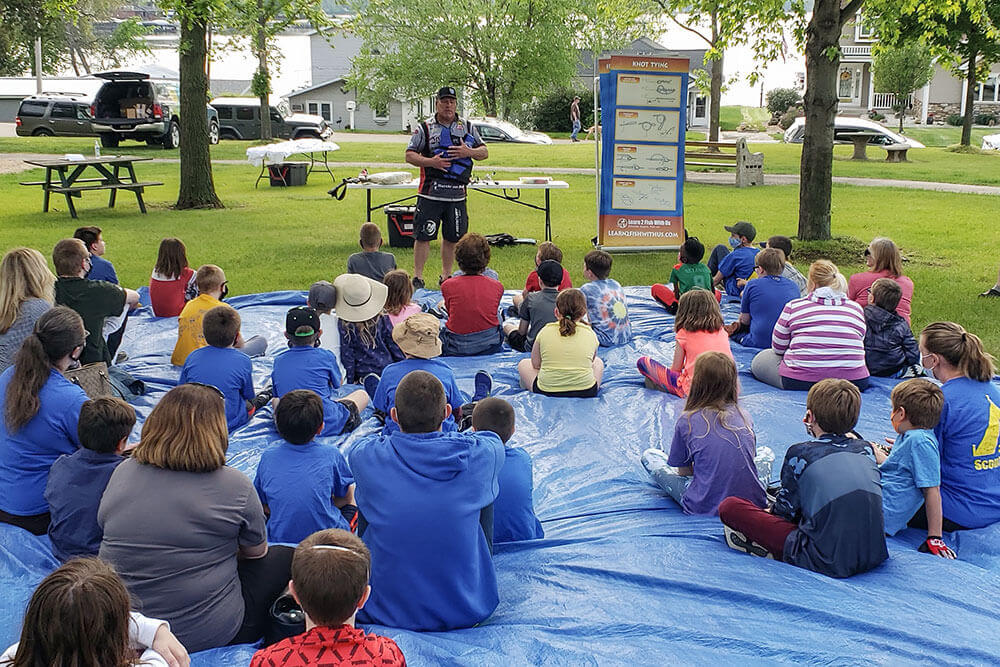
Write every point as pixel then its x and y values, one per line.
pixel 863 32
pixel 82 112
pixel 244 113
pixel 849 83
pixel 700 106
pixel 63 110
pixel 987 91
pixel 297 107
pixel 33 108
pixel 225 113
pixel 325 111
pixel 380 112
pixel 313 108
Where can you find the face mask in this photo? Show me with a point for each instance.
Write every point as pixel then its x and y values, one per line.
pixel 927 369
pixel 225 291
pixel 734 242
pixel 808 425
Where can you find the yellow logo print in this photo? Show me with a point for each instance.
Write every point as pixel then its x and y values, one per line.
pixel 988 445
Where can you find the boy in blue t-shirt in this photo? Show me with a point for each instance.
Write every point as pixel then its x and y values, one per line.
pixel 417 337
pixel 421 493
pixel 731 267
pixel 223 366
pixel 606 309
pixel 303 485
pixel 827 517
pixel 305 366
pixel 100 268
pixel 763 300
pixel 77 481
pixel 513 511
pixel 911 472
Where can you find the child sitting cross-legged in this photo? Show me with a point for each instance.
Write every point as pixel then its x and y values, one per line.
pixel 911 473
pixel 366 345
pixel 304 486
pixel 371 262
pixel 330 582
pixel 713 448
pixel 606 308
pixel 472 300
pixel 684 277
pixel 421 493
pixel 698 328
pixel 513 511
pixel 172 283
pixel 763 300
pixel 305 366
pixel 223 366
pixel 417 337
pixel 827 517
pixel 564 359
pixel 537 309
pixel 399 295
pixel 77 481
pixel 322 298
pixel 890 348
pixel 546 250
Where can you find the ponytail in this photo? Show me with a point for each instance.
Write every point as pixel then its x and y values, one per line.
pixel 572 306
pixel 57 332
pixel 961 349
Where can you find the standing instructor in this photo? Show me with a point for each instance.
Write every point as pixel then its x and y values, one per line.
pixel 444 148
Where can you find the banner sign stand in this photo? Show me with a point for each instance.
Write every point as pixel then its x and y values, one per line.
pixel 640 199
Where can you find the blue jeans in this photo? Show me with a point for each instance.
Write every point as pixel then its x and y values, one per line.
pixel 488 341
pixel 675 485
pixel 576 128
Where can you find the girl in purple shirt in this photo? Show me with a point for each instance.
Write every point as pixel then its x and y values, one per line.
pixel 713 450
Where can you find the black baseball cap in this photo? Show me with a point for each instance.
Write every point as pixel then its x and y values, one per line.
pixel 550 272
pixel 299 317
pixel 743 228
pixel 447 91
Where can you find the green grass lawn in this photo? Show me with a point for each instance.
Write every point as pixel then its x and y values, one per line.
pixel 730 117
pixel 945 135
pixel 275 238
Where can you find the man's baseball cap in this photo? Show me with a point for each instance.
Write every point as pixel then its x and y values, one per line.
pixel 299 319
pixel 550 272
pixel 446 92
pixel 743 228
pixel 322 295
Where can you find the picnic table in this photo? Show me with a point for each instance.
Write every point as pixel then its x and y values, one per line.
pixel 507 190
pixel 68 172
pixel 860 140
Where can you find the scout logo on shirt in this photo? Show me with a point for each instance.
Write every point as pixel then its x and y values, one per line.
pixel 991 440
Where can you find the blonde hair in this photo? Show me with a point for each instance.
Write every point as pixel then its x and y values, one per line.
pixel 824 273
pixel 186 431
pixel 885 256
pixel 209 277
pixel 961 349
pixel 23 275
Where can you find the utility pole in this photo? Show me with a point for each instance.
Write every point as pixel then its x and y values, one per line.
pixel 38 63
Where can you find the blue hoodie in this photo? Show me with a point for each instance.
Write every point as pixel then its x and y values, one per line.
pixel 421 495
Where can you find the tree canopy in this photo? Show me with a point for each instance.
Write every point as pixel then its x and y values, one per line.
pixel 900 70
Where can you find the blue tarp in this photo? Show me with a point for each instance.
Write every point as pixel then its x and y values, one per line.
pixel 622 576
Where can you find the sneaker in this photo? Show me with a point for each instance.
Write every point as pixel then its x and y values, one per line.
pixel 262 398
pixel 483 384
pixel 991 292
pixel 418 283
pixel 654 459
pixel 512 311
pixel 121 357
pixel 370 383
pixel 441 280
pixel 738 541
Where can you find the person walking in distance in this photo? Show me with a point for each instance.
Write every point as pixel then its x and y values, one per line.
pixel 574 117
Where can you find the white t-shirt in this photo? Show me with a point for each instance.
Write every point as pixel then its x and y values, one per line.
pixel 141 631
pixel 330 339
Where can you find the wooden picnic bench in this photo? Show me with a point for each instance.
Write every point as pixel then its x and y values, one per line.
pixel 67 174
pixel 749 166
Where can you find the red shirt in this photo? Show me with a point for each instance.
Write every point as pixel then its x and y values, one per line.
pixel 342 646
pixel 472 303
pixel 167 296
pixel 532 284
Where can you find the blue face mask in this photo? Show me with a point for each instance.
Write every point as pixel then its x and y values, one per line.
pixel 734 242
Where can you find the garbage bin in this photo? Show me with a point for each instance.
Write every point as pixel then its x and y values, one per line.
pixel 399 220
pixel 286 174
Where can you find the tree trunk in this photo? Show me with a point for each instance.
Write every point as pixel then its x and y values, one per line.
pixel 970 95
pixel 820 100
pixel 715 93
pixel 263 79
pixel 197 189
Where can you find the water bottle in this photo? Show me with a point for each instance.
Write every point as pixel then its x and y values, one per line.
pixel 97 148
pixel 764 460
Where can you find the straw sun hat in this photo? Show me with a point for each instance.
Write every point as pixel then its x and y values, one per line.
pixel 359 298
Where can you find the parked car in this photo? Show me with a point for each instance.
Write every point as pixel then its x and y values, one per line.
pixel 130 106
pixel 54 114
pixel 492 130
pixel 239 118
pixel 844 125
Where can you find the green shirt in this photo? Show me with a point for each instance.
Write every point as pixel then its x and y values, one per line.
pixel 689 276
pixel 94 300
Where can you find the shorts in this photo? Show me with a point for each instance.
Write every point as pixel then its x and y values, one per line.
pixel 354 420
pixel 575 393
pixel 431 214
pixel 518 341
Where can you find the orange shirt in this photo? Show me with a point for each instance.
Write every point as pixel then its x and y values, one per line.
pixel 694 343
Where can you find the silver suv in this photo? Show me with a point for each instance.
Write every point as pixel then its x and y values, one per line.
pixel 54 114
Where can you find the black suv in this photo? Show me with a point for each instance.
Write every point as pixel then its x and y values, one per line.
pixel 130 106
pixel 239 118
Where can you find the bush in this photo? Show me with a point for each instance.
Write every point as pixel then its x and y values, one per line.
pixel 955 119
pixel 780 99
pixel 787 119
pixel 551 113
pixel 985 119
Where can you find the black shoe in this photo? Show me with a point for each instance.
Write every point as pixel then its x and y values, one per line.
pixel 441 280
pixel 512 311
pixel 418 283
pixel 262 398
pixel 738 541
pixel 991 292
